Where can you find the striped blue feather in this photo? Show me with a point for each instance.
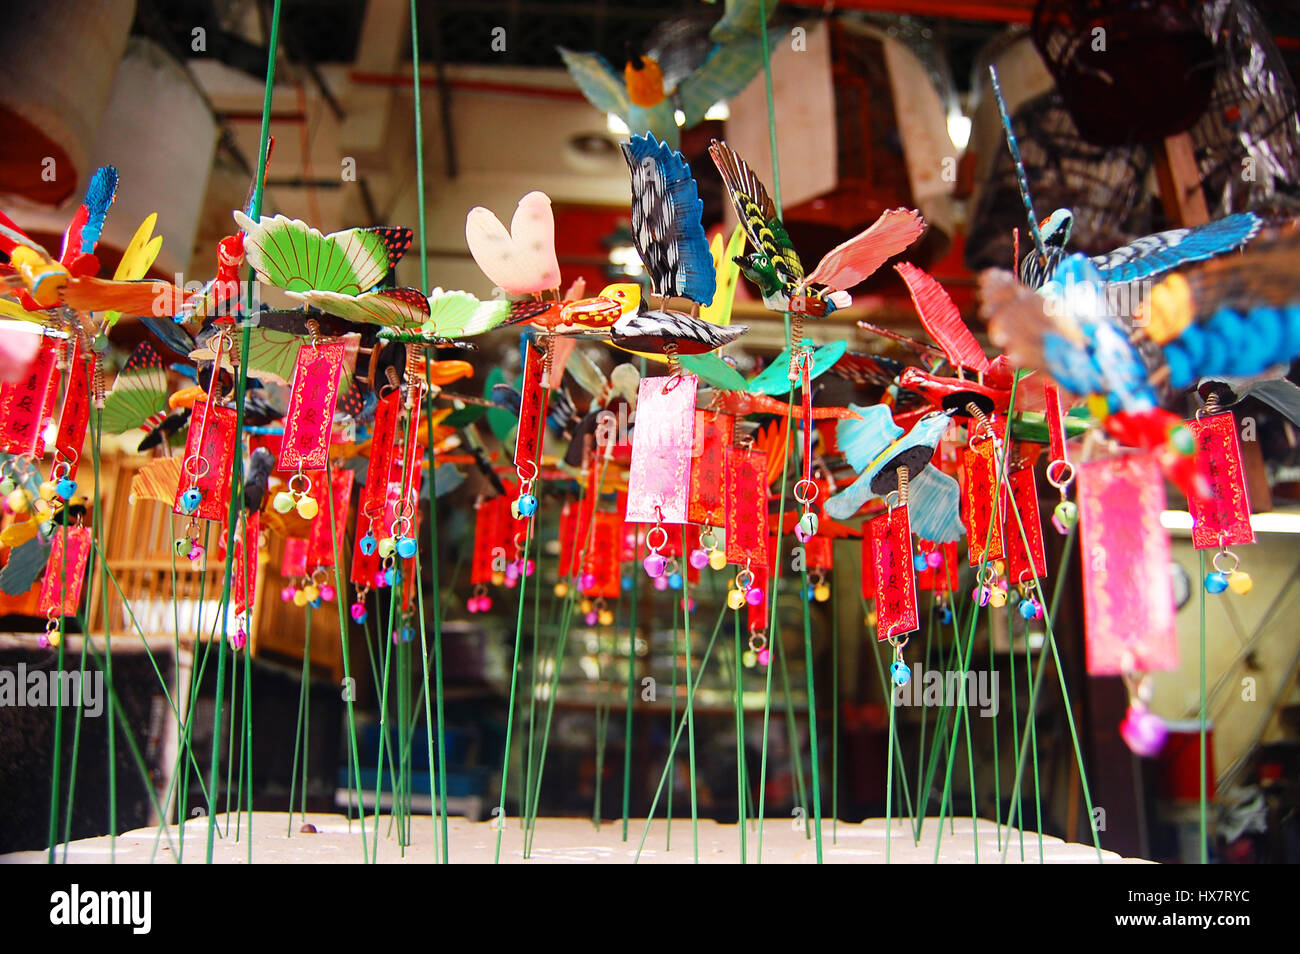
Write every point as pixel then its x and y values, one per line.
pixel 1153 254
pixel 99 196
pixel 666 228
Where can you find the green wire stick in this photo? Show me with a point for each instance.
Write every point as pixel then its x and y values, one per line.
pixel 704 662
pixel 631 683
pixel 672 721
pixel 690 708
pixel 1015 734
pixel 814 767
pixel 55 769
pixel 297 734
pixel 1204 809
pixel 1060 674
pixel 997 766
pixel 835 716
pixel 741 781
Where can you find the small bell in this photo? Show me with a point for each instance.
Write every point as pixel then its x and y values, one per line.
pixel 526 505
pixel 282 502
pixel 190 500
pixel 406 547
pixel 308 507
pixel 367 544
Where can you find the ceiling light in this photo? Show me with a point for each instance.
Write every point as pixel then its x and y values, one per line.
pixel 719 111
pixel 614 123
pixel 959 129
pixel 679 117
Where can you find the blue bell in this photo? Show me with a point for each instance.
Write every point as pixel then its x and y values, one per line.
pixel 190 500
pixel 408 634
pixel 1216 582
pixel 314 604
pixel 626 583
pixel 945 614
pixel 675 581
pixel 900 673
pixel 919 564
pixel 406 547
pixel 368 544
pixel 67 487
pixel 393 575
pixel 1027 609
pixel 527 505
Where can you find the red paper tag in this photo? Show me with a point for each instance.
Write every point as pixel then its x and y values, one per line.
pixel 942 579
pixel 602 557
pixel 245 569
pixel 65 573
pixel 488 520
pixel 383 448
pixel 713 435
pixel 817 552
pixel 756 613
pixel 1055 426
pixel 1022 566
pixel 320 544
pixel 746 510
pixel 1128 593
pixel 293 562
pixel 532 411
pixel 23 405
pixel 1222 519
pixel 891 557
pixel 659 478
pixel 210 467
pixel 310 417
pixel 980 468
pixel 76 409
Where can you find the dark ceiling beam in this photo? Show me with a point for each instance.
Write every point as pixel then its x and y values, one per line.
pixel 992 11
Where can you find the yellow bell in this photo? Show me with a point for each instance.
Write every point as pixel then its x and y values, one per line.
pixel 585 606
pixel 498 579
pixel 1240 582
pixel 749 658
pixel 736 599
pixel 871 619
pixel 300 598
pixel 718 560
pixel 561 589
pixel 17 501
pixel 47 489
pixel 308 507
pixel 998 597
pixel 821 592
pixel 606 617
pixel 312 592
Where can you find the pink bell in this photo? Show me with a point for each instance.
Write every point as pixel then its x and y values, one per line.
pixel 754 596
pixel 655 564
pixel 286 594
pixel 661 582
pixel 587 581
pixel 764 656
pixel 327 593
pixel 934 559
pixel 1143 732
pixel 591 618
pixel 699 558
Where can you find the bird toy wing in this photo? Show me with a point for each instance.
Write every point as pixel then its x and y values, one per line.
pixel 598 81
pixel 290 254
pixel 1153 254
pixel 727 70
pixel 87 223
pixel 139 394
pixel 522 261
pixel 666 210
pixel 756 211
pixel 726 275
pixel 852 262
pixel 141 252
pixel 942 320
pixel 404 308
pixel 458 314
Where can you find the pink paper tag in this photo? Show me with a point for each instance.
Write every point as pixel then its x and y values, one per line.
pixel 309 419
pixel 23 405
pixel 209 468
pixel 1128 593
pixel 1022 565
pixel 65 573
pixel 1222 519
pixel 746 524
pixel 891 557
pixel 532 412
pixel 658 479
